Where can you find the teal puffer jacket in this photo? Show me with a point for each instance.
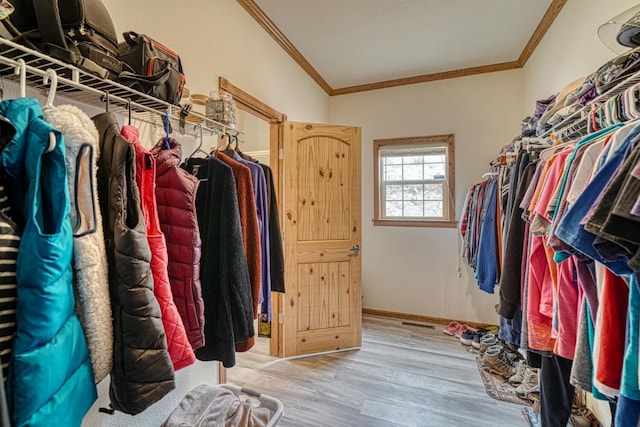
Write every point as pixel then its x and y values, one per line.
pixel 51 379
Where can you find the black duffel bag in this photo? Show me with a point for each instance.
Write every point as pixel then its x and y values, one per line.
pixel 151 68
pixel 79 32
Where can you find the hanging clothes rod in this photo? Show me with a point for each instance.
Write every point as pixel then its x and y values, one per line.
pixel 194 133
pixel 578 117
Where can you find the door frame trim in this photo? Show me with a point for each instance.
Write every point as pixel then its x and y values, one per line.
pixel 250 103
pixel 276 119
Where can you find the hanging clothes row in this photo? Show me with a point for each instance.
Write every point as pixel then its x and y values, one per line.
pixel 620 108
pixel 568 271
pixel 271 250
pixel 237 215
pixel 118 261
pixel 481 222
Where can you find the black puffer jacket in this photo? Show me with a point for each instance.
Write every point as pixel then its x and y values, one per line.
pixel 142 371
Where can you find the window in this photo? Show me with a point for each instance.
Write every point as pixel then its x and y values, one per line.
pixel 415 181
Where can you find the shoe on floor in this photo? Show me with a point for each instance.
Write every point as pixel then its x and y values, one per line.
pixel 518 377
pixel 529 383
pixel 467 337
pixel 492 330
pixel 486 342
pixel 476 340
pixel 513 356
pixel 494 362
pixel 463 329
pixel 452 328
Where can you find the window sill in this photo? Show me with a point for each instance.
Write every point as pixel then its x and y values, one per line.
pixel 414 223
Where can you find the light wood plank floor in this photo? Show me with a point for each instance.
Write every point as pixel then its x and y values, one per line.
pixel 403 375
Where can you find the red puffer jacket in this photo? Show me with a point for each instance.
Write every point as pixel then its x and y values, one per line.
pixel 176 197
pixel 178 345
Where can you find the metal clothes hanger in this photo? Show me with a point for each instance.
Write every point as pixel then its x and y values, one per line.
pixel 214 149
pixel 229 150
pixel 21 70
pixel 167 131
pixel 52 78
pixel 106 101
pixel 199 147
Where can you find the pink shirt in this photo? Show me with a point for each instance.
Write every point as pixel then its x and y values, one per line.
pixel 568 309
pixel 539 296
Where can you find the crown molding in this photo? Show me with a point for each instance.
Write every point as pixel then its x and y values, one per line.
pixel 265 22
pixel 452 74
pixel 543 26
pixel 545 23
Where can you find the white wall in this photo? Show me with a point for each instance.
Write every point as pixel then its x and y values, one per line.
pixel 219 38
pixel 414 270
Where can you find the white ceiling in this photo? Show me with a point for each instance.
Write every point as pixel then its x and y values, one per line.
pixel 354 42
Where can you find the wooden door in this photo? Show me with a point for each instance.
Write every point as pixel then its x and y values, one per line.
pixel 322 305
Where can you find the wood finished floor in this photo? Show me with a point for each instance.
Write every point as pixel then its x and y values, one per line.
pixel 403 375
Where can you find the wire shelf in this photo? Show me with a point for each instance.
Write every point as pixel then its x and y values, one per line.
pixel 577 121
pixel 79 85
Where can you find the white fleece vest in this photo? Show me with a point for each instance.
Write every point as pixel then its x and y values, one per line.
pixel 90 274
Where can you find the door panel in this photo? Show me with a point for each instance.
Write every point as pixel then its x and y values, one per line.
pixel 322 305
pixel 324 295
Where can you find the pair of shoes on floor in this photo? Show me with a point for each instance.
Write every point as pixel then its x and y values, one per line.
pixel 467 337
pixel 491 334
pixel 473 337
pixel 484 342
pixel 452 328
pixel 521 369
pixel 495 360
pixel 529 384
pixel 456 329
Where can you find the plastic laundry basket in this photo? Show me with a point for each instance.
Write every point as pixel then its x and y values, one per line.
pixel 259 400
pixel 198 406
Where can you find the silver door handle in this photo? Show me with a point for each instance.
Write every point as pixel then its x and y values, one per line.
pixel 355 250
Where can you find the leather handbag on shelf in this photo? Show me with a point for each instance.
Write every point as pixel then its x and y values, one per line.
pixel 79 32
pixel 151 68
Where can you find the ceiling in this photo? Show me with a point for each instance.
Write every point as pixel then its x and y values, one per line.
pixel 350 46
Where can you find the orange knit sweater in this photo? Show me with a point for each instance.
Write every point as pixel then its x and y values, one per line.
pixel 250 231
